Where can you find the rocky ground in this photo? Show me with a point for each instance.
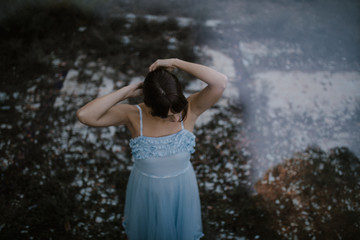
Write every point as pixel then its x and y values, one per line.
pixel 276 158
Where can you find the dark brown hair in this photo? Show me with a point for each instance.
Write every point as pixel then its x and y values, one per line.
pixel 163 92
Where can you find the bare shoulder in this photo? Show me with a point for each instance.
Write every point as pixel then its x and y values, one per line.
pixel 129 110
pixel 132 116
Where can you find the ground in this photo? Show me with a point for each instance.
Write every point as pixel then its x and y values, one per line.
pixel 276 158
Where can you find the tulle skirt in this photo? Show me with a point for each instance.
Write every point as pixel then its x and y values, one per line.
pixel 162 200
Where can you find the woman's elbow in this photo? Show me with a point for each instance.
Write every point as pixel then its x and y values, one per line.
pixel 81 116
pixel 225 81
pixel 220 85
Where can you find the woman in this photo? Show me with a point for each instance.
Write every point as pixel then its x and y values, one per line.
pixel 162 198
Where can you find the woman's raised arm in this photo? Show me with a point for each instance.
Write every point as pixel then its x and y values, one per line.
pixel 103 111
pixel 201 101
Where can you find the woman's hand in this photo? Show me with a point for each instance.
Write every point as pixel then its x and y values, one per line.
pixel 168 64
pixel 135 90
pixel 216 82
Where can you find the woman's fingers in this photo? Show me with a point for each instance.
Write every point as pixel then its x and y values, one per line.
pixel 137 85
pixel 170 69
pixel 140 85
pixel 138 92
pixel 152 67
pixel 139 89
pixel 161 63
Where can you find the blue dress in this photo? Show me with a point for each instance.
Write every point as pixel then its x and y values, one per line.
pixel 162 196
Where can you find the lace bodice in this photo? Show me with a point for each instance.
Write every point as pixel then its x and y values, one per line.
pixel 143 147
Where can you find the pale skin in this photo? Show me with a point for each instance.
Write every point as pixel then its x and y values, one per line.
pixel 109 111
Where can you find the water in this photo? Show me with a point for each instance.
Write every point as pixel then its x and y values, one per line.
pixel 276 158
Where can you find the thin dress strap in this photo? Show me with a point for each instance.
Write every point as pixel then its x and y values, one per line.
pixel 141 122
pixel 182 123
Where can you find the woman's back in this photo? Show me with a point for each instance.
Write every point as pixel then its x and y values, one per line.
pixel 162 199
